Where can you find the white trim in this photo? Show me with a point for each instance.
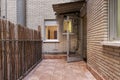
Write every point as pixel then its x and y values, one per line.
pixel 111 43
pixel 51 41
pixel 108 20
pixel 112 10
pixel 64 34
pixel 51 22
pixel 111 19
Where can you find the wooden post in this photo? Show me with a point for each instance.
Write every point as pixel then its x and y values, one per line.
pixel 39 28
pixel 2 54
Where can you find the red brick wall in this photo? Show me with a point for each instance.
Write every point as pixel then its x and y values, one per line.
pixel 103 59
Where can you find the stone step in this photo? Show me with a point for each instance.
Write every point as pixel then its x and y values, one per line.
pixel 54 56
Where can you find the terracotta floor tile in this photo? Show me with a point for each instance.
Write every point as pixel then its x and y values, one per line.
pixel 45 77
pixel 59 69
pixel 57 76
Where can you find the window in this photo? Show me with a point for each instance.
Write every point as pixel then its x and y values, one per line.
pixel 51 30
pixel 114 19
pixel 118 8
pixel 21 12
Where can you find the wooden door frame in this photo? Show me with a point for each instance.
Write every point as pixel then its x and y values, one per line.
pixel 84 54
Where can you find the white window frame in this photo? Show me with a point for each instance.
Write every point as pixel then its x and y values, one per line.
pixel 113 20
pixel 51 40
pixel 0 10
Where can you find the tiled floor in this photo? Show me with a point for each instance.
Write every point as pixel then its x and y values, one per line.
pixel 59 69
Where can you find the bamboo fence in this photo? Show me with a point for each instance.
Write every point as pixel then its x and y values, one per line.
pixel 20 50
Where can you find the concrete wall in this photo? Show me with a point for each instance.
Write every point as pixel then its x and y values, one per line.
pixel 11 10
pixel 15 11
pixel 21 12
pixel 39 10
pixel 0 8
pixel 103 59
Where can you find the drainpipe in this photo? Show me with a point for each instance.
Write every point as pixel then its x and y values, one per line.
pixel 8 56
pixel 68 40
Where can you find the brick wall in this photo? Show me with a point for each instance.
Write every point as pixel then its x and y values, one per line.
pixel 36 12
pixel 39 10
pixel 103 59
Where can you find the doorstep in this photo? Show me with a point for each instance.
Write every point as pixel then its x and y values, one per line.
pixel 54 56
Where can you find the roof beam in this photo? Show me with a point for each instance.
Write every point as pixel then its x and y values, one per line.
pixel 68 7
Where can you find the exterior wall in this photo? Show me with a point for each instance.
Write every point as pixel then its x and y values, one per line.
pixel 103 59
pixel 36 12
pixel 11 10
pixel 0 8
pixel 39 10
pixel 15 11
pixel 83 40
pixel 21 12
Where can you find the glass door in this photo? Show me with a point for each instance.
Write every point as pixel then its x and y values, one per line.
pixel 71 41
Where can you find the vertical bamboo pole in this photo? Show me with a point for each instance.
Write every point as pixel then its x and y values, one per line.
pixel 39 32
pixel 3 55
pixel 0 53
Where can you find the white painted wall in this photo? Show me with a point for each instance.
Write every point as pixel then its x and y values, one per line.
pixel 11 10
pixel 37 12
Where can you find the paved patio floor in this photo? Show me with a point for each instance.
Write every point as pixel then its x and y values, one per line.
pixel 59 69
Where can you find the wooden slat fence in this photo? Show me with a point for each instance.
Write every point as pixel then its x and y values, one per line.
pixel 20 50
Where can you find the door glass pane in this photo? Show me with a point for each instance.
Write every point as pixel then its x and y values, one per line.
pixel 118 18
pixel 67 26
